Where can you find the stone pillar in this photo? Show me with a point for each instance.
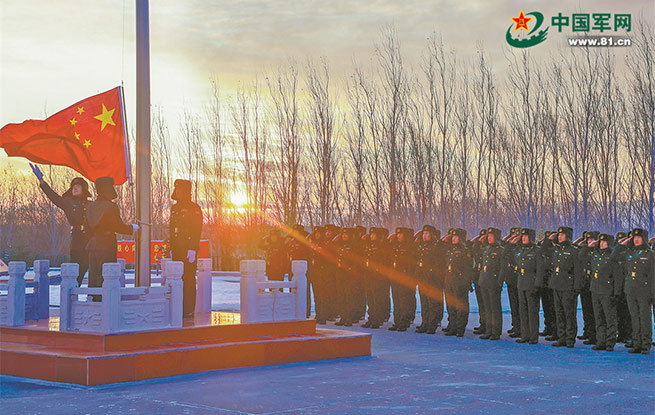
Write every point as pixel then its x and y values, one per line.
pixel 69 273
pixel 16 294
pixel 251 271
pixel 163 263
pixel 204 283
pixel 173 274
pixel 41 268
pixel 111 297
pixel 299 271
pixel 121 261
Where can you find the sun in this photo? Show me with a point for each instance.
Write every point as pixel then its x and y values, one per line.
pixel 239 198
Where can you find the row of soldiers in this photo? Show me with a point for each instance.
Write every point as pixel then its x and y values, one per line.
pixel 352 272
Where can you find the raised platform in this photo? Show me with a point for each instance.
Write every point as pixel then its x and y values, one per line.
pixel 206 342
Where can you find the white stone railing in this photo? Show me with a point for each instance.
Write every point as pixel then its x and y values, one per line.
pixel 18 305
pixel 265 301
pixel 203 283
pixel 120 309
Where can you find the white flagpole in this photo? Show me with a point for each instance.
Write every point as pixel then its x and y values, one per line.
pixel 143 167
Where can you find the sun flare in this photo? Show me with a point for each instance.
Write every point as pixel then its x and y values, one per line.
pixel 239 198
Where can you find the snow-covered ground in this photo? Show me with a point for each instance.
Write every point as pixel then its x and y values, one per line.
pixel 408 373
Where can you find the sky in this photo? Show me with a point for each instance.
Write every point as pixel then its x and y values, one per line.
pixel 55 53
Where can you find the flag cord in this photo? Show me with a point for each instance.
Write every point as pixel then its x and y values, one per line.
pixel 123 48
pixel 128 156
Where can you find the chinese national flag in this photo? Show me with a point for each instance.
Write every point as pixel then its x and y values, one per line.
pixel 88 136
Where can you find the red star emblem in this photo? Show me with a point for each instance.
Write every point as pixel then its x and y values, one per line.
pixel 521 22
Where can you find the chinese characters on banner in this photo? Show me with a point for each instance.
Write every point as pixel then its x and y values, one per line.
pixel 158 250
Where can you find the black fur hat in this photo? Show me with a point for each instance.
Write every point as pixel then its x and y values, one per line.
pixel 436 233
pixel 566 231
pixel 495 232
pixel 530 232
pixel 607 237
pixel 85 188
pixel 105 188
pixel 461 233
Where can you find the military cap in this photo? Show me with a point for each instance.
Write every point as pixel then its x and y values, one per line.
pixel 566 231
pixel 529 232
pixel 607 237
pixel 85 188
pixel 620 235
pixel 461 233
pixel 182 190
pixel 591 234
pixel 640 232
pixel 105 188
pixel 432 230
pixel 380 232
pixel 495 232
pixel 408 232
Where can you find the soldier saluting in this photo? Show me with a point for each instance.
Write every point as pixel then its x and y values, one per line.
pixel 566 281
pixel 430 255
pixel 73 202
pixel 185 228
pixel 492 285
pixel 528 283
pixel 605 287
pixel 639 270
pixel 458 283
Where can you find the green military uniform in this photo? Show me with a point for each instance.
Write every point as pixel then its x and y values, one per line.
pixel 605 286
pixel 345 278
pixel 402 282
pixel 458 284
pixel 566 281
pixel 508 275
pixel 430 256
pixel 622 312
pixel 589 328
pixel 377 255
pixel 528 283
pixel 477 248
pixel 491 286
pixel 639 286
pixel 184 229
pixel 546 249
pixel 104 219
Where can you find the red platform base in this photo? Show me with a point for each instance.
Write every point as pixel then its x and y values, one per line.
pixel 206 342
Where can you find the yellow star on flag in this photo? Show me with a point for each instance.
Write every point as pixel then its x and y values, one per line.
pixel 73 121
pixel 80 110
pixel 105 117
pixel 77 136
pixel 87 143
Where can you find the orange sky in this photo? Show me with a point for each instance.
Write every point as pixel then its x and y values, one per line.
pixel 54 53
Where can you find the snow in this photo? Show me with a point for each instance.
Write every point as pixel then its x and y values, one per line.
pixel 408 373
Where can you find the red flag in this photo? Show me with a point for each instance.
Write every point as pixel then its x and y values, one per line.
pixel 88 136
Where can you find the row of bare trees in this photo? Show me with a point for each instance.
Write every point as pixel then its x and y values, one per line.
pixel 447 141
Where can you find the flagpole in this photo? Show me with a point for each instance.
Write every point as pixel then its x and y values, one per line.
pixel 143 167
